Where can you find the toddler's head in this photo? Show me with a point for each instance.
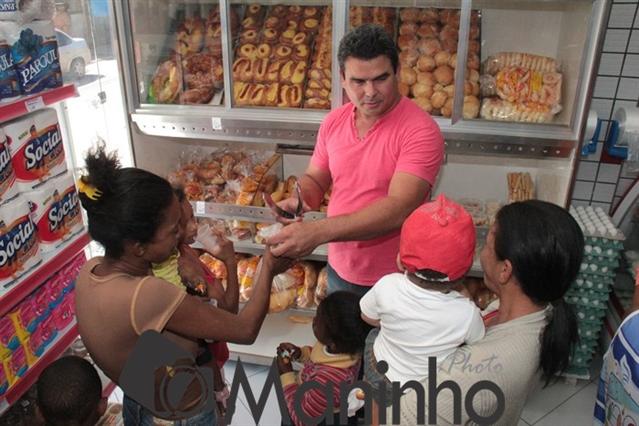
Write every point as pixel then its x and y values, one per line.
pixel 338 323
pixel 437 242
pixel 70 393
pixel 188 223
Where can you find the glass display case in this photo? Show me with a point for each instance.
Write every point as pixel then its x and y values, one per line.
pixel 488 69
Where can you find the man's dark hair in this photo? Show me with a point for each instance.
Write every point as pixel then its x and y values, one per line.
pixel 341 316
pixel 69 391
pixel 367 42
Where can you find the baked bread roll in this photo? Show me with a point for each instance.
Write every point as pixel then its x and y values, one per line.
pixel 429 46
pixel 409 14
pixel 283 52
pixel 322 286
pixel 317 103
pixel 241 92
pixel 408 57
pixel 427 63
pixel 290 96
pixel 444 75
pixel 248 51
pixel 272 94
pixel 423 103
pixel 429 15
pixel 272 22
pixel 167 82
pixel 306 293
pixel 422 90
pixel 438 99
pixel 259 67
pixel 190 36
pixel 264 51
pixel 273 71
pixel 270 35
pixel 428 30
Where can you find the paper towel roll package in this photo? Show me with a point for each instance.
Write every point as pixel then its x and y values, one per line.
pixel 8 185
pixel 37 151
pixel 34 52
pixel 55 209
pixel 19 248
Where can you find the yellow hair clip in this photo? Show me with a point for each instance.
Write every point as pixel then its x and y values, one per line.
pixel 89 191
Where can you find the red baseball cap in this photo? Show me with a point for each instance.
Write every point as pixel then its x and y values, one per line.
pixel 439 235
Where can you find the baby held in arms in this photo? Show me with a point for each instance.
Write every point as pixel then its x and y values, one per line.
pixel 422 312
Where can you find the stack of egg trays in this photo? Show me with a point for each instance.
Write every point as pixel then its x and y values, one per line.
pixel 589 296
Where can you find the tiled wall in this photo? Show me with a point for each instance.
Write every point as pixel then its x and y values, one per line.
pixel 601 180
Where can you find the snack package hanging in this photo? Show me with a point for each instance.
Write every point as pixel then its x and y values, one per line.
pixel 8 185
pixel 34 51
pixel 9 86
pixel 19 248
pixel 37 151
pixel 55 208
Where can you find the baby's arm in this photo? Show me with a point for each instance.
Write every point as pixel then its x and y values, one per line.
pixel 476 329
pixel 369 308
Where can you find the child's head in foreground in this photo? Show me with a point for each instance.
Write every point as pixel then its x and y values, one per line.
pixel 70 393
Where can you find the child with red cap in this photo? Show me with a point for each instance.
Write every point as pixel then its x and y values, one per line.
pixel 422 312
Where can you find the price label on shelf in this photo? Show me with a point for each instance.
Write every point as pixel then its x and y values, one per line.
pixel 216 123
pixel 34 104
pixel 200 207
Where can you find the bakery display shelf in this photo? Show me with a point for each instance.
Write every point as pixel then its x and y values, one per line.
pixel 15 291
pixel 277 328
pixel 247 247
pixel 27 104
pixel 506 139
pixel 246 213
pixel 55 350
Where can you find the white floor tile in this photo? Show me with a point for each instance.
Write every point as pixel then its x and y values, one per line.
pixel 250 369
pixel 542 401
pixel 576 411
pixel 242 417
pixel 271 414
pixel 522 423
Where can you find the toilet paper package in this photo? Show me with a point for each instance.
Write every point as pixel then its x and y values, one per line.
pixel 34 52
pixel 37 152
pixel 19 248
pixel 55 208
pixel 8 185
pixel 9 86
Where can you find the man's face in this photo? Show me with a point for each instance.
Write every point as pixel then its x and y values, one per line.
pixel 371 85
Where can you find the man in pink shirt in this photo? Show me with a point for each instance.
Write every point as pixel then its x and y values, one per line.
pixel 381 152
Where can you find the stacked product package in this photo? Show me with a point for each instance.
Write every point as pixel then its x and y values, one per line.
pixel 39 205
pixel 31 327
pixel 29 58
pixel 590 292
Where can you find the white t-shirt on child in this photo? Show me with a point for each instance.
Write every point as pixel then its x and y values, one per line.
pixel 417 324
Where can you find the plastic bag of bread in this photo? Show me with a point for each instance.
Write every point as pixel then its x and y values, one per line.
pixel 306 293
pixel 292 278
pixel 241 230
pixel 282 300
pixel 501 60
pixel 246 273
pixel 500 110
pixel 322 286
pixel 266 230
pixel 518 84
pixel 216 266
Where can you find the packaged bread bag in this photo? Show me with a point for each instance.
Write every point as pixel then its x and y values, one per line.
pixel 8 185
pixel 37 151
pixel 19 248
pixel 55 208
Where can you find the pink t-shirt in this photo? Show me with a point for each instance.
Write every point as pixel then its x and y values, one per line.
pixel 405 139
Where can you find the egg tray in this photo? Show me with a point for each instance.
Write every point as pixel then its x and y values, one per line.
pixel 577 300
pixel 589 314
pixel 589 333
pixel 591 284
pixel 594 269
pixel 604 243
pixel 611 262
pixel 581 361
pixel 594 222
pixel 598 251
pixel 587 295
